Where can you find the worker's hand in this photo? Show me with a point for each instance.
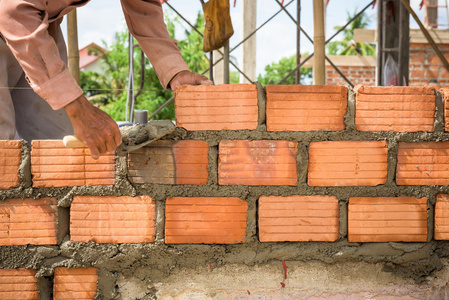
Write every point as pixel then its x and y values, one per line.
pixel 93 127
pixel 187 77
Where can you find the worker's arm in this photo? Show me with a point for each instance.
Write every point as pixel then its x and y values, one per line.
pixel 24 26
pixel 145 20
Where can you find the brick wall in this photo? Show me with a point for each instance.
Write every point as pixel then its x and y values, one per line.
pixel 356 74
pixel 425 68
pixel 355 178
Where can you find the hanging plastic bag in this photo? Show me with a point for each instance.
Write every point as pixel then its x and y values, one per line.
pixel 218 27
pixel 391 72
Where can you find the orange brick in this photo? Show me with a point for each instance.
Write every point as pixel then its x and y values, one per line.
pixel 298 218
pixel 217 107
pixel 77 283
pixel 170 162
pixel 257 162
pixel 53 165
pixel 442 217
pixel 17 284
pixel 347 163
pixel 425 163
pixel 446 108
pixel 306 107
pixel 387 219
pixel 103 219
pixel 10 155
pixel 205 220
pixel 402 109
pixel 28 221
pixel 417 58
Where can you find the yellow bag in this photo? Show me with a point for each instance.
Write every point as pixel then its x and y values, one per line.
pixel 218 27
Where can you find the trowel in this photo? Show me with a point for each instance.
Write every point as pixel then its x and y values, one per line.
pixel 133 137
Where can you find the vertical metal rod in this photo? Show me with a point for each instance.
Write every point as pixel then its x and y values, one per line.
pixel 226 63
pixel 384 34
pixel 211 66
pixel 298 44
pixel 130 98
pixel 72 45
pixel 400 46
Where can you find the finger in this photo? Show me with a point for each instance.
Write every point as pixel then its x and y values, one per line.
pixel 110 144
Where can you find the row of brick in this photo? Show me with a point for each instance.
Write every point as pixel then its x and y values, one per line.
pixel 240 162
pixel 223 220
pixel 79 283
pixel 307 108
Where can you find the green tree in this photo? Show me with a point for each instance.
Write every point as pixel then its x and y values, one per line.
pixel 275 72
pixel 348 46
pixel 109 91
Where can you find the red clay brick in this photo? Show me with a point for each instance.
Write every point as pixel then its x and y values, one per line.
pixel 298 218
pixel 18 284
pixel 103 219
pixel 402 109
pixel 442 217
pixel 306 107
pixel 170 162
pixel 387 219
pixel 205 220
pixel 53 165
pixel 347 163
pixel 417 58
pixel 80 283
pixel 10 155
pixel 257 162
pixel 28 221
pixel 219 107
pixel 425 163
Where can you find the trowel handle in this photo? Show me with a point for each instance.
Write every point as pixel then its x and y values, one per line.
pixel 72 141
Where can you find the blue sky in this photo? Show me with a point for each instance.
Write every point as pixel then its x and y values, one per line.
pixel 100 19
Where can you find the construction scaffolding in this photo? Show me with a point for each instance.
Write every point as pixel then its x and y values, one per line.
pixel 393 20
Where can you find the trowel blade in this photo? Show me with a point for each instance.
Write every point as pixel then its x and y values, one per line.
pixel 155 131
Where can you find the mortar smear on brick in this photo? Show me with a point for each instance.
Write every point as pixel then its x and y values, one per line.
pixel 170 162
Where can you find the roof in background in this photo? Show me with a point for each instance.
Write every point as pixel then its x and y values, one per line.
pixel 90 54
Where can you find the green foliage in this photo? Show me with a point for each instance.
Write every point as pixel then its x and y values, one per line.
pixel 275 72
pixel 109 91
pixel 348 46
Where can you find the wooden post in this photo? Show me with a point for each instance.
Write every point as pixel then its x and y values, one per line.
pixel 72 45
pixel 249 47
pixel 318 43
pixel 298 43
